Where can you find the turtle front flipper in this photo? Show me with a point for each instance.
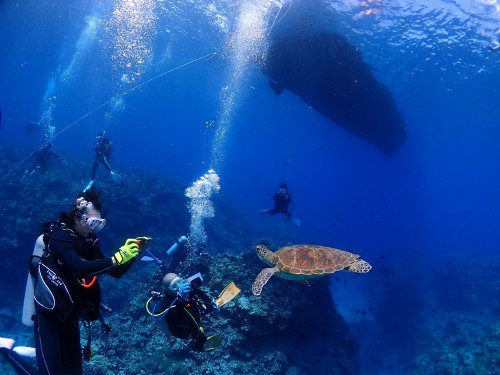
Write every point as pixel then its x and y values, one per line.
pixel 262 279
pixel 360 266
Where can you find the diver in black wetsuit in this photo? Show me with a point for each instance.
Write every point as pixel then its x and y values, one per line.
pixel 103 150
pixel 282 201
pixel 76 246
pixel 72 253
pixel 183 311
pixel 42 158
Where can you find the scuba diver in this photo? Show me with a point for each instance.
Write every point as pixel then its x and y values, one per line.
pixel 42 157
pixel 63 289
pixel 181 305
pixel 103 150
pixel 282 200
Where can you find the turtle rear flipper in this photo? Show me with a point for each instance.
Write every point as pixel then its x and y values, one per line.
pixel 262 279
pixel 360 266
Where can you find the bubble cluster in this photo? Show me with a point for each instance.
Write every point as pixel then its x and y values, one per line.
pixel 201 207
pixel 132 30
pixel 62 76
pixel 48 106
pixel 244 48
pixel 116 105
pixel 82 47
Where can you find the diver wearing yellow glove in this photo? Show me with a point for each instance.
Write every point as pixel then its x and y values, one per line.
pixel 67 262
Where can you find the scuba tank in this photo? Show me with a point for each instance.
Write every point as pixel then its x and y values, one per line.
pixel 29 301
pixel 176 245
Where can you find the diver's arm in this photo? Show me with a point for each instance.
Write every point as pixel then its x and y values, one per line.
pixel 64 246
pixel 81 267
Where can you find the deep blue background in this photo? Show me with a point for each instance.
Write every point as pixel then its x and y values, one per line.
pixel 439 193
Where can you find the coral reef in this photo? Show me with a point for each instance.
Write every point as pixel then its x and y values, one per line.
pixel 462 330
pixel 456 343
pixel 415 315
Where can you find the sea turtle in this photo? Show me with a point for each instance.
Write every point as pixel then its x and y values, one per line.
pixel 302 262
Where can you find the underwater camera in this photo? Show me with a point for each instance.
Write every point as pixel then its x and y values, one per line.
pixel 195 281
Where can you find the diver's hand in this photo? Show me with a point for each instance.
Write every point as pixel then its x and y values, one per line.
pixel 185 286
pixel 127 252
pixel 184 289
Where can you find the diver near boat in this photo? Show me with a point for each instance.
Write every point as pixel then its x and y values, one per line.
pixel 63 289
pixel 182 304
pixel 282 200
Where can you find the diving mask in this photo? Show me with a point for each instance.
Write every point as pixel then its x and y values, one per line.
pixel 174 284
pixel 95 223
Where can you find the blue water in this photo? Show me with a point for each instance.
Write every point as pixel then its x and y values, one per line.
pixel 81 68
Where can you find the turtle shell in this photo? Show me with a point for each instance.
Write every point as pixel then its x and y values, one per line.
pixel 313 260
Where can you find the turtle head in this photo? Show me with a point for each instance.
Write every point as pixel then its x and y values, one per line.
pixel 265 255
pixel 360 266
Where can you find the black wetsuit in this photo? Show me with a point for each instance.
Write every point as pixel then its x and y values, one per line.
pixel 183 317
pixel 103 151
pixel 282 200
pixel 57 338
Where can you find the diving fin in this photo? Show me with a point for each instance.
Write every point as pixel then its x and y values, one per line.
pixel 227 294
pixel 89 186
pixel 116 177
pixel 213 342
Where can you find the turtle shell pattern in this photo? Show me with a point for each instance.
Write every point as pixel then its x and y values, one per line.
pixel 313 260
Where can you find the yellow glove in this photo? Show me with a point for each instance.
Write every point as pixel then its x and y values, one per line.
pixel 127 252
